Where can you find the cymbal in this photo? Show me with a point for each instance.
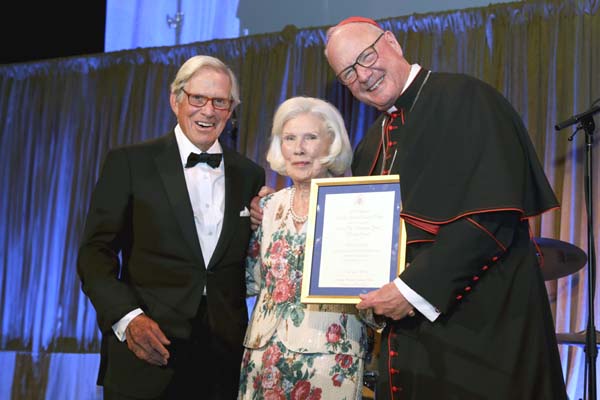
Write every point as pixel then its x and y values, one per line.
pixel 577 338
pixel 559 258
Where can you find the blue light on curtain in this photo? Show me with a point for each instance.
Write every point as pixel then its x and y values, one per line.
pixel 143 23
pixel 61 384
pixel 7 366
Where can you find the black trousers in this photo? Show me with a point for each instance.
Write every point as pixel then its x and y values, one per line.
pixel 204 368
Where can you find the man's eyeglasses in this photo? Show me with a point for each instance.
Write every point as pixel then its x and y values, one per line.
pixel 365 59
pixel 198 100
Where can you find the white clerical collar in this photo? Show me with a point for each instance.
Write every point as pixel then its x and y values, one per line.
pixel 414 70
pixel 186 146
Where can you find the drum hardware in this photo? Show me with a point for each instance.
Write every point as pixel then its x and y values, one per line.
pixel 575 338
pixel 558 258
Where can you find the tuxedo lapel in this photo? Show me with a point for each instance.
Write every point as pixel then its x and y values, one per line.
pixel 232 210
pixel 168 164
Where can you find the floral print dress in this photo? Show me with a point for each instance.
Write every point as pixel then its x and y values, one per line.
pixel 293 350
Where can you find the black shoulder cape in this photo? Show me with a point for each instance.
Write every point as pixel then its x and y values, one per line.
pixel 462 150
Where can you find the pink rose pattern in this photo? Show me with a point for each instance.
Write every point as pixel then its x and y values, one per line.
pixel 282 369
pixel 301 390
pixel 274 394
pixel 283 374
pixel 271 356
pixel 337 341
pixel 287 375
pixel 334 333
pixel 284 291
pixel 346 366
pixel 281 273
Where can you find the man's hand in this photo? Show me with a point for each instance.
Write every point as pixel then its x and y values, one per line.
pixel 387 301
pixel 256 213
pixel 147 340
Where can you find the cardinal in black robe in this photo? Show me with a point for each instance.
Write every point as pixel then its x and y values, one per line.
pixel 470 181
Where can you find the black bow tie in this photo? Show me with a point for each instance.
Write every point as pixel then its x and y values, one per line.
pixel 211 159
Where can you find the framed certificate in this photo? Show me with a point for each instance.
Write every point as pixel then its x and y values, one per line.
pixel 355 240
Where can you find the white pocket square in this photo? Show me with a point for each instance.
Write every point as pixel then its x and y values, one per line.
pixel 245 212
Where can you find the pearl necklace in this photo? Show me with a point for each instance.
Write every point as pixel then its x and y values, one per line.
pixel 295 217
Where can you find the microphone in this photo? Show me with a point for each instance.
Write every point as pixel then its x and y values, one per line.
pixel 576 118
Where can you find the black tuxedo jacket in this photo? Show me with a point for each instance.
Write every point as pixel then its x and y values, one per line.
pixel 140 249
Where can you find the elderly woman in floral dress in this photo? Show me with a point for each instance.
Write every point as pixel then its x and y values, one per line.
pixel 295 351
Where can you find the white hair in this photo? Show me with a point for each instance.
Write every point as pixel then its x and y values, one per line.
pixel 340 152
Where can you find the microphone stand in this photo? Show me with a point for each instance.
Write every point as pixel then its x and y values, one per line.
pixel 585 122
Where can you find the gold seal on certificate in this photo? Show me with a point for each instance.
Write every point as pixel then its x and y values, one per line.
pixel 355 240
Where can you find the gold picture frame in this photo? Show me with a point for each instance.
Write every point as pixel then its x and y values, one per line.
pixel 355 240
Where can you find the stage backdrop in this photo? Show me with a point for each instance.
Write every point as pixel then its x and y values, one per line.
pixel 151 23
pixel 58 118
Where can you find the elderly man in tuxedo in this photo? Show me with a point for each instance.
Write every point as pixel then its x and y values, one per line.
pixel 161 258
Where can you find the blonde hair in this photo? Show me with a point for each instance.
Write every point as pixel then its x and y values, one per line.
pixel 338 159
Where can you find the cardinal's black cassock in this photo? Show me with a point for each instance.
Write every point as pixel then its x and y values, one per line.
pixel 470 181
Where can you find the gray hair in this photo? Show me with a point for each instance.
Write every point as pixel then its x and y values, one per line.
pixel 340 152
pixel 196 63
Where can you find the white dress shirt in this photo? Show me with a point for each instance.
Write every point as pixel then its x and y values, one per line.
pixel 206 188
